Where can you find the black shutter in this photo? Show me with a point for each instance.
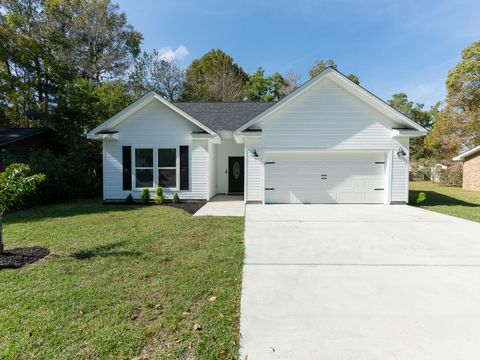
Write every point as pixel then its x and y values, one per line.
pixel 184 168
pixel 127 167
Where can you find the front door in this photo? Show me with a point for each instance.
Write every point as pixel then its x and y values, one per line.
pixel 235 174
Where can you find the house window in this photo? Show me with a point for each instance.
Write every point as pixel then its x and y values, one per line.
pixel 144 168
pixel 167 168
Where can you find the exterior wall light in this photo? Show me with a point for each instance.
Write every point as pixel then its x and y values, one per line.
pixel 401 152
pixel 255 155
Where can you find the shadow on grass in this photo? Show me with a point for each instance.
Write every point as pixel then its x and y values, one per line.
pixel 65 209
pixel 104 251
pixel 434 198
pixel 86 207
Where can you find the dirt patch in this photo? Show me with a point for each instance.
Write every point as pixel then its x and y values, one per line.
pixel 19 257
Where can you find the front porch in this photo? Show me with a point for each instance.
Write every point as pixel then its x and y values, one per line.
pixel 223 205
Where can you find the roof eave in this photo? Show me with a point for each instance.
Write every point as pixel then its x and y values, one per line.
pixel 465 154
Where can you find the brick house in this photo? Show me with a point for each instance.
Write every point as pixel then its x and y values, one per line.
pixel 471 168
pixel 17 144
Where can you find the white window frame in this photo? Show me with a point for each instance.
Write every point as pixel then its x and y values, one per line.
pixel 156 168
pixel 134 161
pixel 177 150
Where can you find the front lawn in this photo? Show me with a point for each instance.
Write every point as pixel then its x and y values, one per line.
pixel 447 200
pixel 120 282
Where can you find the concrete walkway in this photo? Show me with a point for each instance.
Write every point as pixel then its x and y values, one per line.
pixel 223 205
pixel 356 282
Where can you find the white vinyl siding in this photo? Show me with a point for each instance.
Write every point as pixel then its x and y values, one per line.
pixel 212 183
pixel 328 117
pixel 155 126
pixel 254 172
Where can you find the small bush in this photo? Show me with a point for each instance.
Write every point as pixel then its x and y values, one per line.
pixel 176 199
pixel 421 198
pixel 159 198
pixel 145 196
pixel 129 199
pixel 452 176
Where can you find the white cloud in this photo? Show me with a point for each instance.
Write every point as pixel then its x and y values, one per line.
pixel 167 53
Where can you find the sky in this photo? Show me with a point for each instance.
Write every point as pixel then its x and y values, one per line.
pixel 392 46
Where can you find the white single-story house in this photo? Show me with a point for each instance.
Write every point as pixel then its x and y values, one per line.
pixel 329 141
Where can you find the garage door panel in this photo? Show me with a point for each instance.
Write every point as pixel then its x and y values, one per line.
pixel 325 178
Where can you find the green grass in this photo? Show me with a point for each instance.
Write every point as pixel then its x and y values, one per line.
pixel 447 200
pixel 122 281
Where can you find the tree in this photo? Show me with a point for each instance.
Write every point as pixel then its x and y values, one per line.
pixel 15 182
pixel 416 112
pixel 354 78
pixel 444 140
pixel 292 82
pixel 458 123
pixel 463 94
pixel 153 73
pixel 265 88
pixel 45 44
pixel 214 77
pixel 321 65
pixel 99 42
pixel 76 172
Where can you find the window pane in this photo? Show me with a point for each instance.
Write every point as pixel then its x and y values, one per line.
pixel 144 178
pixel 167 177
pixel 167 158
pixel 144 157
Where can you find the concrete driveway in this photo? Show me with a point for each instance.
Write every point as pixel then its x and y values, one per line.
pixel 359 282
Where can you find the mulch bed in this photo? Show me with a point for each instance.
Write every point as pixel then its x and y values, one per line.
pixel 189 206
pixel 16 258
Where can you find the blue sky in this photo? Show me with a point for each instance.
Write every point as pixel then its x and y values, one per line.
pixel 393 46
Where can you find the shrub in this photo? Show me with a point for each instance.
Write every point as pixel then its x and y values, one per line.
pixel 452 176
pixel 145 196
pixel 129 199
pixel 421 198
pixel 176 199
pixel 159 198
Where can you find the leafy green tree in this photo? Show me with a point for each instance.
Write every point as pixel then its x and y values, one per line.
pixel 76 171
pixel 354 78
pixel 321 65
pixel 153 73
pixel 416 112
pixel 444 140
pixel 265 88
pixel 15 182
pixel 458 123
pixel 463 94
pixel 214 77
pixel 46 44
pixel 100 43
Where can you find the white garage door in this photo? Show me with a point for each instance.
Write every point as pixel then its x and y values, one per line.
pixel 330 177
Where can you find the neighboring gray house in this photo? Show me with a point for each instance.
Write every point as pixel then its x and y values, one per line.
pixel 329 141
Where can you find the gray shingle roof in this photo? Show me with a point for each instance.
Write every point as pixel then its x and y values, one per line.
pixel 223 116
pixel 10 135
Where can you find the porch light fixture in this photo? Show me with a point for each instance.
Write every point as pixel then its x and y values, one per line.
pixel 254 153
pixel 401 152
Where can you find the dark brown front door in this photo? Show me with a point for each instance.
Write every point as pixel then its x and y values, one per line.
pixel 235 174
